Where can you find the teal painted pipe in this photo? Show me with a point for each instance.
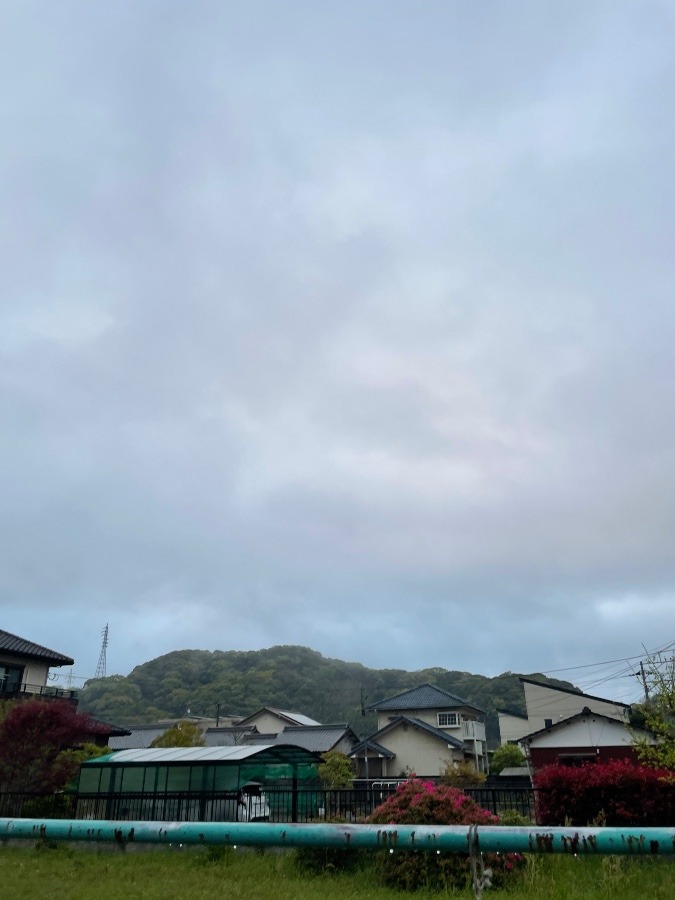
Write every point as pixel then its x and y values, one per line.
pixel 430 838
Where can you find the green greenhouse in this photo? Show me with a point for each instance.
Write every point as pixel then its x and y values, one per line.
pixel 206 784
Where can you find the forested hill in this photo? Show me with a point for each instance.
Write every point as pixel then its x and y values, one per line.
pixel 287 677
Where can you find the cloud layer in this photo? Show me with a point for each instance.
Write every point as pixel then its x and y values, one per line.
pixel 349 328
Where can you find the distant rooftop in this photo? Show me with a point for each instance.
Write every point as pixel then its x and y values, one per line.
pixel 294 718
pixel 426 696
pixel 18 646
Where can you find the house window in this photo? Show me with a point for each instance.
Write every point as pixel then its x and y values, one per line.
pixel 10 678
pixel 575 759
pixel 448 720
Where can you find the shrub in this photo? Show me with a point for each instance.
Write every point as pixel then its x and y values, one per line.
pixel 619 792
pixel 504 756
pixel 419 802
pixel 335 770
pixel 462 775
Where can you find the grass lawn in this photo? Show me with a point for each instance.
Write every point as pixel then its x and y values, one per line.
pixel 67 874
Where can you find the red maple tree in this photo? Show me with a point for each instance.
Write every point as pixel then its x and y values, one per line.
pixel 32 738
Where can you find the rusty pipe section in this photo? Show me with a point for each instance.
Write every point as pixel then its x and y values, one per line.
pixel 428 838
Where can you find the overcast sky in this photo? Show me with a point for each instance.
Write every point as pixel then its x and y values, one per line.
pixel 346 325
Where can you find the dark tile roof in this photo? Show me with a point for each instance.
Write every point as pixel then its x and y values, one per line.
pixel 317 738
pixel 10 643
pixel 136 737
pixel 229 735
pixel 371 745
pixel 426 696
pixel 103 728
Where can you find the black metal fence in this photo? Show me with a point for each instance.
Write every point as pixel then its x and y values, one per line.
pixel 273 803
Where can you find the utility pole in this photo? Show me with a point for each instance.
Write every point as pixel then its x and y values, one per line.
pixel 642 675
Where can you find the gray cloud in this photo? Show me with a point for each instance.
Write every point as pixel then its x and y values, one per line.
pixel 342 327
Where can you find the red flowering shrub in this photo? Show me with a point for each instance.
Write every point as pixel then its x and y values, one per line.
pixel 418 802
pixel 614 793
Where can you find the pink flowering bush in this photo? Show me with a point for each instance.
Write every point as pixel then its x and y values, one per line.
pixel 418 802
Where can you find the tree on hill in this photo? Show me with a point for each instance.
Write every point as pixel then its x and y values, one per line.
pixel 182 734
pixel 35 740
pixel 286 677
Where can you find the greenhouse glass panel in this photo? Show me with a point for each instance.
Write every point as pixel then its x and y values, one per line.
pixel 132 779
pixel 89 780
pixel 226 778
pixel 149 785
pixel 178 778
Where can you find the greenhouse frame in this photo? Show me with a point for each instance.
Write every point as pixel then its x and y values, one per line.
pixel 200 784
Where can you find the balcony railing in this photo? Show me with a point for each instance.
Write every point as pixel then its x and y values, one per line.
pixel 44 691
pixel 473 731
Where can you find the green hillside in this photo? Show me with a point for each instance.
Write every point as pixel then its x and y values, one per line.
pixel 286 677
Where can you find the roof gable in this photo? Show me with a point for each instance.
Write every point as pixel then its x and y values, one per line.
pixel 11 643
pixel 585 713
pixel 411 721
pixel 292 718
pixel 426 696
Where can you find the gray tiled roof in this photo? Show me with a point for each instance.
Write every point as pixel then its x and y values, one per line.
pixel 230 736
pixel 372 745
pixel 318 738
pixel 427 696
pixel 11 643
pixel 139 738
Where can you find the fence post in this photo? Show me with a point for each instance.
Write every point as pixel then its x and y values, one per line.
pixel 294 800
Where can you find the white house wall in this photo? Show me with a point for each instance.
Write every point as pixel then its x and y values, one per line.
pixel 512 728
pixel 544 702
pixel 588 732
pixel 267 723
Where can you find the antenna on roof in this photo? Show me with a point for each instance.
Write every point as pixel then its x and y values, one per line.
pixel 100 668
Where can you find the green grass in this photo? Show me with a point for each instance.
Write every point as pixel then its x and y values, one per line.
pixel 66 874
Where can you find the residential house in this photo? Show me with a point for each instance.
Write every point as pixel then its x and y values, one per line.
pixel 24 670
pixel 584 737
pixel 423 730
pixel 24 675
pixel 269 720
pixel 547 705
pixel 319 738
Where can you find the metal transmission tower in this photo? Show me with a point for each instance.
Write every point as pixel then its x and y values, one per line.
pixel 100 668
